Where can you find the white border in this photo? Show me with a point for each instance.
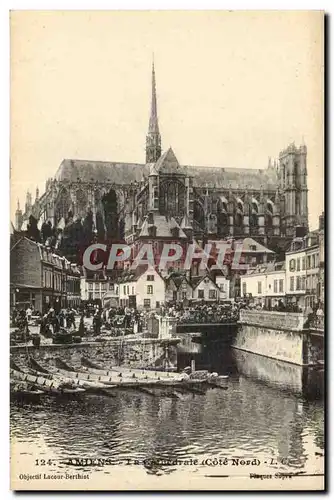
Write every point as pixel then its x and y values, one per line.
pixel 5 7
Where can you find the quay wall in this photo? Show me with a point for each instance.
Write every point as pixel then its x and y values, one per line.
pixel 272 372
pixel 137 353
pixel 279 336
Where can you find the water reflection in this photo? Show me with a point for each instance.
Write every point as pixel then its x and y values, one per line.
pixel 255 417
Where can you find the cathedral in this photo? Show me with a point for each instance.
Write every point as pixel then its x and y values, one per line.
pixel 162 200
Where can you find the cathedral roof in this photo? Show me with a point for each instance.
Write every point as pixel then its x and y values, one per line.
pixel 236 178
pixel 125 173
pixel 101 171
pixel 168 164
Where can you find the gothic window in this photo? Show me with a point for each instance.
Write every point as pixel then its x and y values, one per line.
pixel 63 204
pixel 222 218
pixel 268 221
pixel 295 174
pixel 199 214
pixel 238 219
pixel 270 207
pixel 253 218
pixel 222 205
pixel 240 206
pixel 255 207
pixel 122 229
pixel 100 226
pixel 171 201
pixel 212 223
pixel 155 197
pixel 297 204
pixel 110 208
pixel 82 202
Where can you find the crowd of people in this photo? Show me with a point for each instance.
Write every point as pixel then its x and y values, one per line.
pixel 116 321
pixel 204 313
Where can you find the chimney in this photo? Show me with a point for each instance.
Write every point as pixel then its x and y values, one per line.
pixel 175 232
pixel 150 219
pixel 152 231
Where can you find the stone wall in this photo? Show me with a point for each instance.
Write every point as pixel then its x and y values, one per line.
pixel 271 371
pixel 273 334
pixel 277 344
pixel 130 352
pixel 315 348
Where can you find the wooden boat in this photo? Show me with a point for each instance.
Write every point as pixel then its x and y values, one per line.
pixel 91 367
pixel 24 390
pixel 55 374
pixel 45 384
pixel 125 378
pixel 118 380
pixel 212 379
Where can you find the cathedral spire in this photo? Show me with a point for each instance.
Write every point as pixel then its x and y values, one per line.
pixel 153 138
pixel 18 217
pixel 153 125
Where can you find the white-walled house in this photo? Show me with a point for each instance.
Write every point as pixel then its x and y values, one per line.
pixel 204 288
pixel 295 263
pixel 303 276
pixel 145 291
pixel 92 289
pixel 224 287
pixel 265 283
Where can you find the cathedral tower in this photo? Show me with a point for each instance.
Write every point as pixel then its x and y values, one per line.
pixel 18 217
pixel 153 138
pixel 293 174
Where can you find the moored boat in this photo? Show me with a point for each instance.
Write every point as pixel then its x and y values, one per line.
pixel 24 390
pixel 45 384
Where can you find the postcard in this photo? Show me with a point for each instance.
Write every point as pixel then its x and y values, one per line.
pixel 167 281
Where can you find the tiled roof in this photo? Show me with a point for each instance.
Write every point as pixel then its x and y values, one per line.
pixel 129 276
pixel 235 178
pixel 177 279
pixel 248 245
pixel 164 227
pixel 125 173
pixel 252 246
pixel 196 280
pixel 269 267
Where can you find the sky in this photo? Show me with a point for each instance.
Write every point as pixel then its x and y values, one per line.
pixel 233 88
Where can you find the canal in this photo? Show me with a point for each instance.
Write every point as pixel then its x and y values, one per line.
pixel 266 413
